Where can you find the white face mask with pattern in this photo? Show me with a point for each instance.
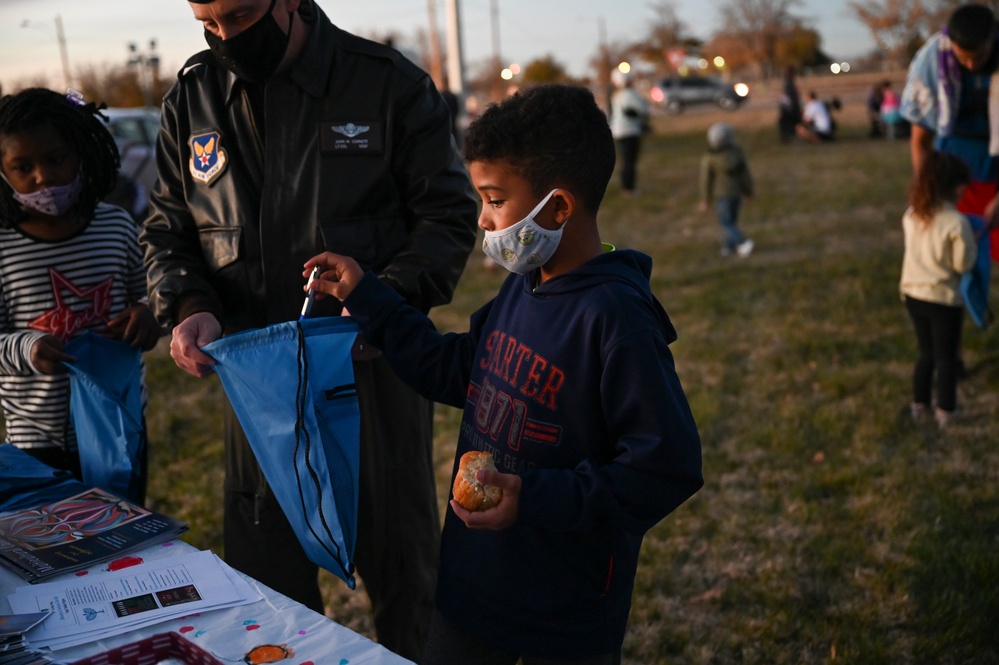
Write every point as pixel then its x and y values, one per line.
pixel 525 245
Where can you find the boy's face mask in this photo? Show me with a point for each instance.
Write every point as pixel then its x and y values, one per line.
pixel 525 245
pixel 52 201
pixel 254 54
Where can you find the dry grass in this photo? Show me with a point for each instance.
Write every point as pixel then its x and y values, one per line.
pixel 830 527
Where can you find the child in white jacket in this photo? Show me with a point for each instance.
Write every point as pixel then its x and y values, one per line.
pixel 939 246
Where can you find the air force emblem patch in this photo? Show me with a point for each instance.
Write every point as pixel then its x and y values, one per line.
pixel 208 159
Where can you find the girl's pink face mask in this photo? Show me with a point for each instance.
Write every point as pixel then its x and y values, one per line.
pixel 53 201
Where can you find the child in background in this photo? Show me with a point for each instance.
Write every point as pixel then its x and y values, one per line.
pixel 566 377
pixel 890 110
pixel 939 246
pixel 629 119
pixel 68 263
pixel 725 177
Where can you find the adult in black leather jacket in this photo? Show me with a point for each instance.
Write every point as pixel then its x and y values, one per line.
pixel 343 146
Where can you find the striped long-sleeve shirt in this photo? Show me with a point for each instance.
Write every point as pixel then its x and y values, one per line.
pixel 59 288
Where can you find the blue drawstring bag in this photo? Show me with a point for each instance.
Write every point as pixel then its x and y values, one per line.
pixel 975 282
pixel 291 386
pixel 26 482
pixel 105 406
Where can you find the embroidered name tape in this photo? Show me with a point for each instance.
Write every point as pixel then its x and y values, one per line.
pixel 208 159
pixel 351 137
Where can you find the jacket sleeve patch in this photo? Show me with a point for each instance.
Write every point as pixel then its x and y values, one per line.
pixel 208 159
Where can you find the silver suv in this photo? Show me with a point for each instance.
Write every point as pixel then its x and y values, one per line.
pixel 675 93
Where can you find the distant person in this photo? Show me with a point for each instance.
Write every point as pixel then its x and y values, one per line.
pixel 566 376
pixel 790 107
pixel 816 124
pixel 949 101
pixel 68 263
pixel 629 119
pixel 875 97
pixel 726 180
pixel 939 248
pixel 890 116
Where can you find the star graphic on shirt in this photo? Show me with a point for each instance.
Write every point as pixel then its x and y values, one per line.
pixel 204 160
pixel 92 305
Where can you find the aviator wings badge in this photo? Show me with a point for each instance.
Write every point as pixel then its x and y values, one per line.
pixel 350 130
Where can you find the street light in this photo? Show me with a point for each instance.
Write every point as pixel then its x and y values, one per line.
pixel 61 38
pixel 148 66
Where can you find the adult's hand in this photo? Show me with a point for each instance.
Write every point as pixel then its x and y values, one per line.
pixel 188 337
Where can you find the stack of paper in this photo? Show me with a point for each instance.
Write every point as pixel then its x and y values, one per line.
pixel 78 532
pixel 92 608
pixel 13 649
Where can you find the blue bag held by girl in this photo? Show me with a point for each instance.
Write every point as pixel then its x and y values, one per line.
pixel 106 408
pixel 25 482
pixel 975 282
pixel 292 388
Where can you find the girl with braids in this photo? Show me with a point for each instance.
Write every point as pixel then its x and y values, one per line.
pixel 939 247
pixel 68 263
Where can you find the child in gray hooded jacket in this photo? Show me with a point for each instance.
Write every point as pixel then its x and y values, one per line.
pixel 725 177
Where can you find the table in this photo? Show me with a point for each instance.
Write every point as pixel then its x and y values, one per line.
pixel 230 633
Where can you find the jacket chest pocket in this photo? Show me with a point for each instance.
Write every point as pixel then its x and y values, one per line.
pixel 220 245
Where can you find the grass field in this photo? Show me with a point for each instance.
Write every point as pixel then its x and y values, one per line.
pixel 830 527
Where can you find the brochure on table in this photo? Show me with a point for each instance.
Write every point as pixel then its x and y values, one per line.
pixel 85 609
pixel 77 532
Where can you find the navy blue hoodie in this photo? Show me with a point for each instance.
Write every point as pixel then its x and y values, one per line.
pixel 572 386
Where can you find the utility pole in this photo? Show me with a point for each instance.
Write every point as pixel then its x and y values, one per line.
pixel 436 66
pixel 498 84
pixel 603 76
pixel 147 67
pixel 455 55
pixel 61 38
pixel 494 22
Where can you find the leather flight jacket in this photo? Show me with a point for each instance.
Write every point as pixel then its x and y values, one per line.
pixel 355 157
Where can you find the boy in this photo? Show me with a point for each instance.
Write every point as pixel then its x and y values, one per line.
pixel 565 377
pixel 725 177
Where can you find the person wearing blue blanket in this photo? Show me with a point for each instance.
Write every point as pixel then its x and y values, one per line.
pixel 566 377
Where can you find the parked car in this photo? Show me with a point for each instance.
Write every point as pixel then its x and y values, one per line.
pixel 135 130
pixel 675 93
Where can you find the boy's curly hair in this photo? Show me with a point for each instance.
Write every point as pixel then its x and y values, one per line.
pixel 80 126
pixel 554 135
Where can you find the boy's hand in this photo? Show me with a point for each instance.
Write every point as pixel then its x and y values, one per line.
pixel 47 356
pixel 137 326
pixel 503 514
pixel 339 275
pixel 703 206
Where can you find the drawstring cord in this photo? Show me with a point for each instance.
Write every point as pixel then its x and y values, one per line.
pixel 301 392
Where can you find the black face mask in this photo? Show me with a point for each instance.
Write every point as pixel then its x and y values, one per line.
pixel 254 54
